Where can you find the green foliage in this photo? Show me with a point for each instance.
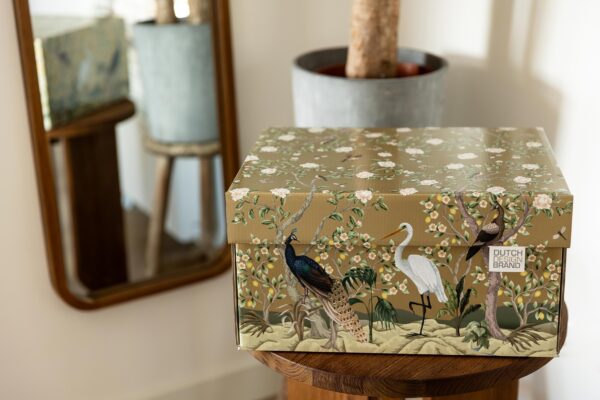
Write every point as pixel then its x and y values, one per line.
pixel 382 310
pixel 458 305
pixel 355 276
pixel 478 334
pixel 253 324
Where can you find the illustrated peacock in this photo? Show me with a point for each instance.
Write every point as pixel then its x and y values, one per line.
pixel 330 292
pixel 489 233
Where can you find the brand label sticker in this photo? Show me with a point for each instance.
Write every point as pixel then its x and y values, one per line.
pixel 507 259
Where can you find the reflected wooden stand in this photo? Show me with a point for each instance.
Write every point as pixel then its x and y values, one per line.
pixel 327 376
pixel 92 178
pixel 166 154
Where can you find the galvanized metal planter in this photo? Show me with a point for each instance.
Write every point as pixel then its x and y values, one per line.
pixel 176 62
pixel 323 100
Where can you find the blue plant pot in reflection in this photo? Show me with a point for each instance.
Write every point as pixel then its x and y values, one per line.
pixel 176 63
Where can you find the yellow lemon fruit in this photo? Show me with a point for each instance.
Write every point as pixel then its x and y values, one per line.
pixel 271 291
pixel 343 256
pixel 439 197
pixel 381 269
pixel 254 283
pixel 384 295
pixel 546 274
pixel 500 291
pixel 428 219
pixel 270 266
pixel 317 258
pixel 331 242
pixel 524 273
pixel 248 303
pixel 249 264
pixel 454 241
pixel 519 300
pixel 453 211
pixel 541 315
pixel 537 293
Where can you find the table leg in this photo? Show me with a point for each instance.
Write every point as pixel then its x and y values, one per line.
pixel 207 204
pixel 294 390
pixel 164 165
pixel 507 391
pixel 97 228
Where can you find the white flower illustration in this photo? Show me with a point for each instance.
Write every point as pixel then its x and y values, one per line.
pixel 401 130
pixel 343 149
pixel 428 182
pixel 413 151
pixel 530 167
pixel 522 180
pixel 497 190
pixel 329 269
pixel 455 166
pixel 287 138
pixel 363 195
pixel 384 154
pixel 495 150
pixel 268 171
pixel 373 135
pixel 467 156
pixel 542 202
pixel 408 191
pixel 280 192
pixel 251 157
pixel 239 193
pixel 533 145
pixel 364 175
pixel 268 149
pixel 386 164
pixel 316 130
pixel 435 141
pixel 309 165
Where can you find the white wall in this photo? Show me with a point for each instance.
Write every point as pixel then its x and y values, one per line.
pixel 513 62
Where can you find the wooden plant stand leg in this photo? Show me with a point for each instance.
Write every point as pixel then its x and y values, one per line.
pixel 294 390
pixel 164 166
pixel 507 391
pixel 207 205
pixel 92 174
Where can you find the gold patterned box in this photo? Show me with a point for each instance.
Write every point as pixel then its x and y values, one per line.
pixel 406 241
pixel 81 65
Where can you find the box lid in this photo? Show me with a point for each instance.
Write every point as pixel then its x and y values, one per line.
pixel 333 185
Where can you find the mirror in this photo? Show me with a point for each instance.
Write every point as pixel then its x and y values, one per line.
pixel 132 113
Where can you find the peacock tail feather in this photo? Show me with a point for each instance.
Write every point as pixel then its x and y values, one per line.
pixel 338 308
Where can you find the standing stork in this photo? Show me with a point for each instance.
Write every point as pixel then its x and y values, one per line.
pixel 489 233
pixel 421 271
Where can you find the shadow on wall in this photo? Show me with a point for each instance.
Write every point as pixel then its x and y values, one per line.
pixel 497 91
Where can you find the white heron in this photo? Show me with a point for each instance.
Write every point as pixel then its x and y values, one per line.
pixel 421 271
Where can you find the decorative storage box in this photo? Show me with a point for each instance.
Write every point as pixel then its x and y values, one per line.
pixel 81 63
pixel 408 241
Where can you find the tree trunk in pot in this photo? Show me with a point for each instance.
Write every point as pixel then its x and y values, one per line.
pixel 373 39
pixel 199 11
pixel 165 13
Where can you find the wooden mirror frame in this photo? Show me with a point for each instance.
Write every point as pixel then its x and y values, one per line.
pixel 45 180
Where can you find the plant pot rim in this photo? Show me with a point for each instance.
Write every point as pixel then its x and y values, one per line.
pixel 297 64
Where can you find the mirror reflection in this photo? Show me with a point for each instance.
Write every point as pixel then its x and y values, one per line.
pixel 129 104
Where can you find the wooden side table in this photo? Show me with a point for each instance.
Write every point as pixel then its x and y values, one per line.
pixel 166 154
pixel 329 376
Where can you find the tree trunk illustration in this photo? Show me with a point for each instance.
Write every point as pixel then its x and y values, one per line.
pixel 491 298
pixel 373 39
pixel 318 327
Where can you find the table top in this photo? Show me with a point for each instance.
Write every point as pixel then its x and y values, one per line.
pixel 404 375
